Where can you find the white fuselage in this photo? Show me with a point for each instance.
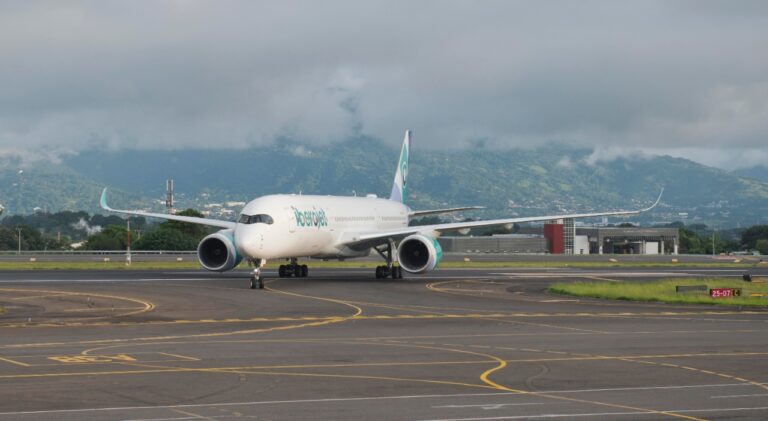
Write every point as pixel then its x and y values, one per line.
pixel 307 225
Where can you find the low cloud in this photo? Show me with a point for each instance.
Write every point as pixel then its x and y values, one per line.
pixel 82 225
pixel 682 77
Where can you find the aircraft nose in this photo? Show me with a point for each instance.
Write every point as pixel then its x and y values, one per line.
pixel 247 241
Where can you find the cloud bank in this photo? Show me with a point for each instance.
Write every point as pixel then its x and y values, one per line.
pixel 688 78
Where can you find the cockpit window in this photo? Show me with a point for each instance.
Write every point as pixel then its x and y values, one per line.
pixel 255 219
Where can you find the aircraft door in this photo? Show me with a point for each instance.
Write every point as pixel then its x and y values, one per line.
pixel 291 219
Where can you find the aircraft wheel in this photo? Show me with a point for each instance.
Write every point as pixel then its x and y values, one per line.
pixel 378 272
pixel 261 283
pixel 281 271
pixel 253 283
pixel 304 271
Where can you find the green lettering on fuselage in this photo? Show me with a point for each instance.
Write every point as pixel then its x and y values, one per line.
pixel 310 218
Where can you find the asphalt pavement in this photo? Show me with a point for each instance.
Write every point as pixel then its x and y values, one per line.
pixel 485 344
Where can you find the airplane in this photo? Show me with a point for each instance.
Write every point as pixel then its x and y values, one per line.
pixel 289 226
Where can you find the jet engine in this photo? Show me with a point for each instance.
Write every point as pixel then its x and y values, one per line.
pixel 217 251
pixel 419 253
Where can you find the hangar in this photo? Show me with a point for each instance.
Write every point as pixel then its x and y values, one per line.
pixel 627 240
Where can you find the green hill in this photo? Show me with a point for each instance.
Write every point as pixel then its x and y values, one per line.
pixel 509 182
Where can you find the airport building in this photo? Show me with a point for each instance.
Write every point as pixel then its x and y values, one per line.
pixel 563 237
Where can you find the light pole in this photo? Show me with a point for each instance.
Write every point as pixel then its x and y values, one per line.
pixel 128 248
pixel 18 230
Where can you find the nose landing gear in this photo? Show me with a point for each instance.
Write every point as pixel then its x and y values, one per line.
pixel 257 281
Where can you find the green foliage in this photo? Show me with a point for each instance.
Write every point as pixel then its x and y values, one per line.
pixel 690 242
pixel 31 239
pixel 750 236
pixel 174 235
pixel 664 291
pixel 191 230
pixel 697 239
pixel 112 237
pixel 165 238
pixel 762 246
pixel 74 225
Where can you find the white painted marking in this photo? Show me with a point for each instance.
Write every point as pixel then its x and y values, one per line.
pixel 600 414
pixel 170 419
pixel 370 398
pixel 489 405
pixel 43 281
pixel 738 396
pixel 559 301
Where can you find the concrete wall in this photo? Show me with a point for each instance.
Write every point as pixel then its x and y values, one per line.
pixel 580 244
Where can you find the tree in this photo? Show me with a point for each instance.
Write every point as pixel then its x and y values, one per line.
pixel 193 230
pixel 762 246
pixel 174 235
pixel 112 237
pixel 750 237
pixel 166 239
pixel 690 242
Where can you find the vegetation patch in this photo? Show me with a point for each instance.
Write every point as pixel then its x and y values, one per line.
pixel 664 291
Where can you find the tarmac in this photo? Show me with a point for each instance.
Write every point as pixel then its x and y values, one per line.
pixel 485 344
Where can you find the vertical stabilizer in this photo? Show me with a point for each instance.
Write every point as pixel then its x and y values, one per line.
pixel 400 186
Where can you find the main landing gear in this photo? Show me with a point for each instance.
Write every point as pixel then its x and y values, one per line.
pixel 293 270
pixel 396 272
pixel 385 271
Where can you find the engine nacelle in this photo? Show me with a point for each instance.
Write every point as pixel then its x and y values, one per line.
pixel 217 251
pixel 419 253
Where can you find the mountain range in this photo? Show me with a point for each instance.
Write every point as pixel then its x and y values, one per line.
pixel 550 179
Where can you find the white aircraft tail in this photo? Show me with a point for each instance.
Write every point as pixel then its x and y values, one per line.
pixel 400 186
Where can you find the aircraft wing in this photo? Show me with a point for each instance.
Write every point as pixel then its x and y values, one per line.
pixel 190 219
pixel 377 237
pixel 441 211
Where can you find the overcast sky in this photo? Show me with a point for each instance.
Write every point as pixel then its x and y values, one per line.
pixel 688 78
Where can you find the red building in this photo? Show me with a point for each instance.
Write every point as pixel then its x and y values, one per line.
pixel 554 233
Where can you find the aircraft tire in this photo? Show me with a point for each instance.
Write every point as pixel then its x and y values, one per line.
pixel 304 271
pixel 281 271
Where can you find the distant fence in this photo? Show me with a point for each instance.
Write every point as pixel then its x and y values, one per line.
pixel 92 252
pixel 96 256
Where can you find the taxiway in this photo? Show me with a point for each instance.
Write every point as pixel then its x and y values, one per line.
pixel 486 344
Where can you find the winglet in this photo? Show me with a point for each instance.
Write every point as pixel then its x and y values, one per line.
pixel 103 201
pixel 658 199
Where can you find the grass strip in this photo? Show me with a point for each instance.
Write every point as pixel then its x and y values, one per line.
pixel 664 291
